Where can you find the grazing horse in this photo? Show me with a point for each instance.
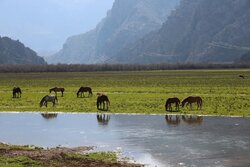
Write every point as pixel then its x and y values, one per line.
pixel 56 89
pixel 192 99
pixel 101 101
pixel 169 101
pixel 16 92
pixel 48 98
pixel 84 89
pixel 242 76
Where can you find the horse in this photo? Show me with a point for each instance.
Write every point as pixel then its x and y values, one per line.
pixel 48 98
pixel 16 92
pixel 242 76
pixel 192 99
pixel 84 89
pixel 169 101
pixel 102 100
pixel 56 89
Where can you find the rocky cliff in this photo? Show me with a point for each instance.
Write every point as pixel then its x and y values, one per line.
pixel 125 23
pixel 198 31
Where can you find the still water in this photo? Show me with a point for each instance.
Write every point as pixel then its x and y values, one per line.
pixel 157 140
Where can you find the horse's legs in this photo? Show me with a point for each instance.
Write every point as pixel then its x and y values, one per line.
pixel 62 93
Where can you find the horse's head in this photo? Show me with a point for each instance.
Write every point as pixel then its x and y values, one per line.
pixel 183 103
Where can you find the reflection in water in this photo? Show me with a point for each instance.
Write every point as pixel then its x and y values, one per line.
pixel 49 115
pixel 173 119
pixel 144 138
pixel 189 119
pixel 103 119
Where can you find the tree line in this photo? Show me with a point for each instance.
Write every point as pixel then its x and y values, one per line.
pixel 23 68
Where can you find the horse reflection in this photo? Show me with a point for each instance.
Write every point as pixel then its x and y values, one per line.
pixel 49 115
pixel 173 119
pixel 103 119
pixel 190 119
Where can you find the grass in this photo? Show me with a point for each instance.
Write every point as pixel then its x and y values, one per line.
pixel 223 92
pixel 100 156
pixel 18 162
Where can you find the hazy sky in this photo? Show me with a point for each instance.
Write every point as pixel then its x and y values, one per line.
pixel 44 25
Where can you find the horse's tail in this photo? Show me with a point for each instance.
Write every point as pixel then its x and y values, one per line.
pixel 90 92
pixel 42 101
pixel 201 102
pixel 50 90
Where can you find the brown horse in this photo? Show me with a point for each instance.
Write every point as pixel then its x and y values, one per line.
pixel 56 89
pixel 84 89
pixel 192 99
pixel 102 100
pixel 169 101
pixel 16 92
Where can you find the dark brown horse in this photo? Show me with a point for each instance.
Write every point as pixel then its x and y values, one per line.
pixel 56 89
pixel 192 99
pixel 170 101
pixel 84 89
pixel 102 101
pixel 16 92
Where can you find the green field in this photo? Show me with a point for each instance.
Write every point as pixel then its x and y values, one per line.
pixel 223 92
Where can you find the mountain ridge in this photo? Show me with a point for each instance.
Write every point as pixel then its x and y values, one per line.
pixel 14 52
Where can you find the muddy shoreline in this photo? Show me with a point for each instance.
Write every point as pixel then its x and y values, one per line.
pixel 56 157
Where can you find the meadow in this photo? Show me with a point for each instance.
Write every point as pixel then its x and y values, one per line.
pixel 223 91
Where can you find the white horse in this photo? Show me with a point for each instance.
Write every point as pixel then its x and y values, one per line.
pixel 48 98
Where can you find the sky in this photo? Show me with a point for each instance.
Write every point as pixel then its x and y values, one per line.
pixel 44 25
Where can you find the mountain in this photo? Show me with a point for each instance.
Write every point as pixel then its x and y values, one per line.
pixel 125 23
pixel 198 31
pixel 14 52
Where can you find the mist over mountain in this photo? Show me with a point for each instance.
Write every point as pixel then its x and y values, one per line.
pixel 198 31
pixel 14 52
pixel 125 23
